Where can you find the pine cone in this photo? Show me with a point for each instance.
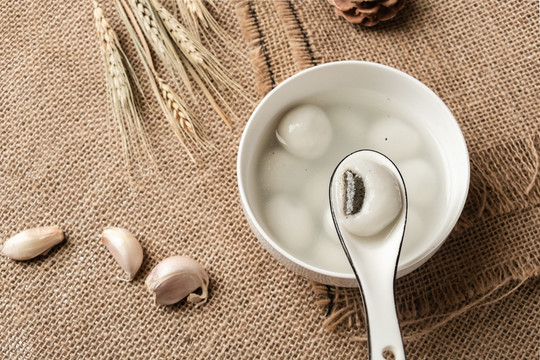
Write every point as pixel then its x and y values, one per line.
pixel 367 12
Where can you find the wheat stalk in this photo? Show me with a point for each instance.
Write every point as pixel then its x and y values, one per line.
pixel 205 68
pixel 193 49
pixel 176 111
pixel 198 19
pixel 120 79
pixel 159 39
pixel 191 12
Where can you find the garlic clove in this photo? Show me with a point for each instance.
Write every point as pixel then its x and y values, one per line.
pixel 32 242
pixel 178 277
pixel 125 248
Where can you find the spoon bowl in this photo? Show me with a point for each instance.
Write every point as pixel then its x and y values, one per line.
pixel 374 259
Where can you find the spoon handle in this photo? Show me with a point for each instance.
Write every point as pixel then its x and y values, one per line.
pixel 376 275
pixel 374 261
pixel 383 331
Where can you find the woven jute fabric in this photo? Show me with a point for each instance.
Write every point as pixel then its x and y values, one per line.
pixel 61 163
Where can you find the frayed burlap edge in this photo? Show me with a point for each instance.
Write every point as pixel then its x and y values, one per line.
pixel 254 35
pixel 503 179
pixel 302 50
pixel 348 310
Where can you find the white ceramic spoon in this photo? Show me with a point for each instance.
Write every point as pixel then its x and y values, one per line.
pixel 374 262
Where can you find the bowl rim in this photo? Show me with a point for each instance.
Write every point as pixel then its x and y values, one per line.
pixel 252 219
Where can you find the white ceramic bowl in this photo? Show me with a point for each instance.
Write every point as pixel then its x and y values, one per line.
pixel 370 76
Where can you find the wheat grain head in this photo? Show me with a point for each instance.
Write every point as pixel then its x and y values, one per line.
pixel 159 39
pixel 175 109
pixel 215 77
pixel 199 20
pixel 121 82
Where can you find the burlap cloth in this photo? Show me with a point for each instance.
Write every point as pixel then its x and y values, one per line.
pixel 61 163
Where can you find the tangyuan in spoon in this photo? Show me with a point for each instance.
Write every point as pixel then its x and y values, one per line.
pixel 368 201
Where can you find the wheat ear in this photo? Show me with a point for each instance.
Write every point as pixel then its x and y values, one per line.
pixel 194 50
pixel 199 20
pixel 179 117
pixel 156 34
pixel 121 80
pixel 206 66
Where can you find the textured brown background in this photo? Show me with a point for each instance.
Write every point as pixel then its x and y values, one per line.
pixel 61 163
